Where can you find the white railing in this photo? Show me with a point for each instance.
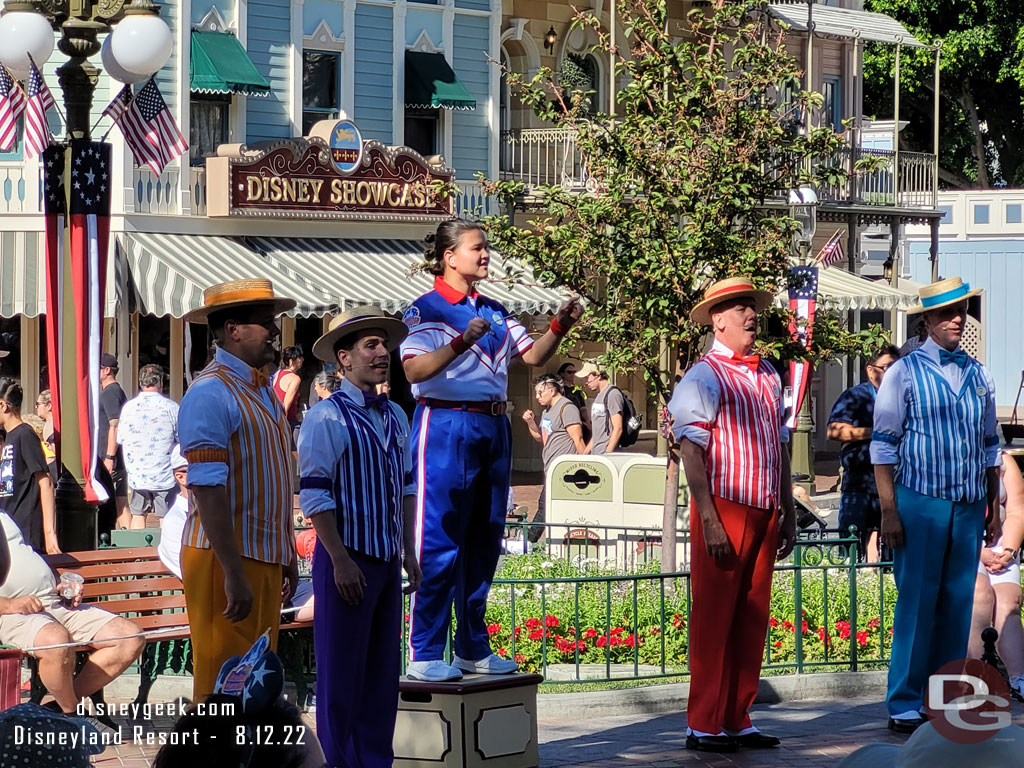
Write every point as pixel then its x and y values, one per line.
pixel 19 188
pixel 197 189
pixel 542 157
pixel 471 201
pixel 156 194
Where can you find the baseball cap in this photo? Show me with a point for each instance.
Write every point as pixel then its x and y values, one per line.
pixel 587 369
pixel 107 360
pixel 178 459
pixel 927 748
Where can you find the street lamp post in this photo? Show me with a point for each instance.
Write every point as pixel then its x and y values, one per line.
pixel 803 203
pixel 137 48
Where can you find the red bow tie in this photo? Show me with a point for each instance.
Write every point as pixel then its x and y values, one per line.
pixel 752 361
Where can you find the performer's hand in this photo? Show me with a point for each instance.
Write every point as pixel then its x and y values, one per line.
pixel 892 528
pixel 476 330
pixel 289 581
pixel 349 580
pixel 527 415
pixel 993 529
pixel 569 313
pixel 239 594
pixel 413 572
pixel 787 535
pixel 715 539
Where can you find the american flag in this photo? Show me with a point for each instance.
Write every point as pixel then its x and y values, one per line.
pixel 38 102
pixel 832 252
pixel 803 298
pixel 12 104
pixel 83 211
pixel 147 125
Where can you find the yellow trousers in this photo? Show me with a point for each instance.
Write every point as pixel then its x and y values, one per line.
pixel 214 638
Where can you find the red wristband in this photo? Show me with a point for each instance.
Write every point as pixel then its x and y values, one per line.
pixel 558 329
pixel 459 345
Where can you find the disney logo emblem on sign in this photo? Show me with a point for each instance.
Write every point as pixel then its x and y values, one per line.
pixel 346 146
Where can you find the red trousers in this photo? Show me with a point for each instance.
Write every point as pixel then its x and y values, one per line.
pixel 729 616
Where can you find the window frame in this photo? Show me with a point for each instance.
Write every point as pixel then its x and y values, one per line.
pixel 323 113
pixel 226 101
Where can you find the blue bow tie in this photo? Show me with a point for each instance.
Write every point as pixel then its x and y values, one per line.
pixel 375 401
pixel 958 358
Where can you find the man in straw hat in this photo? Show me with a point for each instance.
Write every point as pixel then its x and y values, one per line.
pixel 936 453
pixel 238 552
pixel 356 487
pixel 728 414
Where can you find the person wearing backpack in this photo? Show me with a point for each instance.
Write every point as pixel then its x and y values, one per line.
pixel 560 432
pixel 607 412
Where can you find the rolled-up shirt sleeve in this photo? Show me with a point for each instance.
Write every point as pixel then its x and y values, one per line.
pixel 992 452
pixel 323 440
pixel 206 421
pixel 890 411
pixel 694 405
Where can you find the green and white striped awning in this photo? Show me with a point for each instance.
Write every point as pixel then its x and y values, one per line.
pixel 22 274
pixel 353 272
pixel 168 273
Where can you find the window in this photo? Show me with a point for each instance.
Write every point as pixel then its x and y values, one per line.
pixel 422 130
pixel 947 214
pixel 1013 213
pixel 208 126
pixel 832 111
pixel 981 214
pixel 321 87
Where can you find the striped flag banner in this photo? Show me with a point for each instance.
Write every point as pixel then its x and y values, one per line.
pixel 55 204
pixel 832 252
pixel 12 105
pixel 803 298
pixel 148 126
pixel 38 101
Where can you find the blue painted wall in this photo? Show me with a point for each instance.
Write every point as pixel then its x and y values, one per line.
pixel 998 268
pixel 226 8
pixel 417 20
pixel 470 129
pixel 374 75
pixel 476 5
pixel 315 11
pixel 269 44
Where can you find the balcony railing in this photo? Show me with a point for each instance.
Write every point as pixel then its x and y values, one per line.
pixel 547 156
pixel 197 187
pixel 156 194
pixel 472 202
pixel 19 188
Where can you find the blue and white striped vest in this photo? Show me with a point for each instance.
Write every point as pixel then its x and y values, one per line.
pixel 368 487
pixel 942 453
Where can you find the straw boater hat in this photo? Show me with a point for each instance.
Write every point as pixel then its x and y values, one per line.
pixel 724 290
pixel 357 319
pixel 239 293
pixel 942 294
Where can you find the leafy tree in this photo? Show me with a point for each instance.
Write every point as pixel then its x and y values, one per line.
pixel 689 183
pixel 981 86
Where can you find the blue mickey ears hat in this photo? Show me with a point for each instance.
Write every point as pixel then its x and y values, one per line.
pixel 257 678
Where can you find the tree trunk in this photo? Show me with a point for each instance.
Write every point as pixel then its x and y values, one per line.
pixel 967 101
pixel 669 562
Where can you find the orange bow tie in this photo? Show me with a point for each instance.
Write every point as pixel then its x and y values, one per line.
pixel 752 361
pixel 259 378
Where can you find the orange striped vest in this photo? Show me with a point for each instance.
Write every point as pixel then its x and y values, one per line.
pixel 259 486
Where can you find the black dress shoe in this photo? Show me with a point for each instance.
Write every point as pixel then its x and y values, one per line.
pixel 905 725
pixel 711 743
pixel 757 740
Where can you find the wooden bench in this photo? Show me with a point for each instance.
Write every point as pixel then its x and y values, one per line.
pixel 133 582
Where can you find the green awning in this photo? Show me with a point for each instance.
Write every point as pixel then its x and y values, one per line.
pixel 221 65
pixel 430 83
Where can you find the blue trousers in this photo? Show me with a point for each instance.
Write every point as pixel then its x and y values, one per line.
pixel 935 571
pixel 358 662
pixel 463 470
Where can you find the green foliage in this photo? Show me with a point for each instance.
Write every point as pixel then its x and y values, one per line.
pixel 981 85
pixel 688 182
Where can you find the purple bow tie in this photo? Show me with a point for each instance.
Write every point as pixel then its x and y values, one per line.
pixel 375 401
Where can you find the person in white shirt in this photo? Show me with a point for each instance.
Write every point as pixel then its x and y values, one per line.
pixel 173 523
pixel 147 431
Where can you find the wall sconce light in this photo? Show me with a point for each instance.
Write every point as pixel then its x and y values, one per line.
pixel 887 269
pixel 550 39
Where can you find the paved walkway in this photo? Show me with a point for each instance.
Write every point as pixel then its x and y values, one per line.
pixel 815 734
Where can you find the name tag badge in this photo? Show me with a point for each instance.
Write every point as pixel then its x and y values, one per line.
pixel 982 391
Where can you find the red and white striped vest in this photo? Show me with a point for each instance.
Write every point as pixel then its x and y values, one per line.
pixel 744 454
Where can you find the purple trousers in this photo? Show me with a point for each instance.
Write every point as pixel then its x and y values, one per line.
pixel 358 662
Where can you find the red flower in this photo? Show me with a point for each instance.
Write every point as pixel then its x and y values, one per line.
pixel 655 630
pixel 503 652
pixel 803 627
pixel 862 638
pixel 778 643
pixel 823 636
pixel 617 631
pixel 843 628
pixel 602 641
pixel 536 634
pixel 890 630
pixel 532 623
pixel 581 645
pixel 874 623
pixel 773 622
pixel 551 621
pixel 787 624
pixel 520 659
pixel 407 617
pixel 493 629
pixel 571 630
pixel 517 630
pixel 590 633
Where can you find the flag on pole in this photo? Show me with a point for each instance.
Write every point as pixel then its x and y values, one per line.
pixel 38 101
pixel 55 205
pixel 147 125
pixel 12 105
pixel 803 297
pixel 832 252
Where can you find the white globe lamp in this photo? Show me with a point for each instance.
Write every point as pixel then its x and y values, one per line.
pixel 115 70
pixel 25 36
pixel 141 43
